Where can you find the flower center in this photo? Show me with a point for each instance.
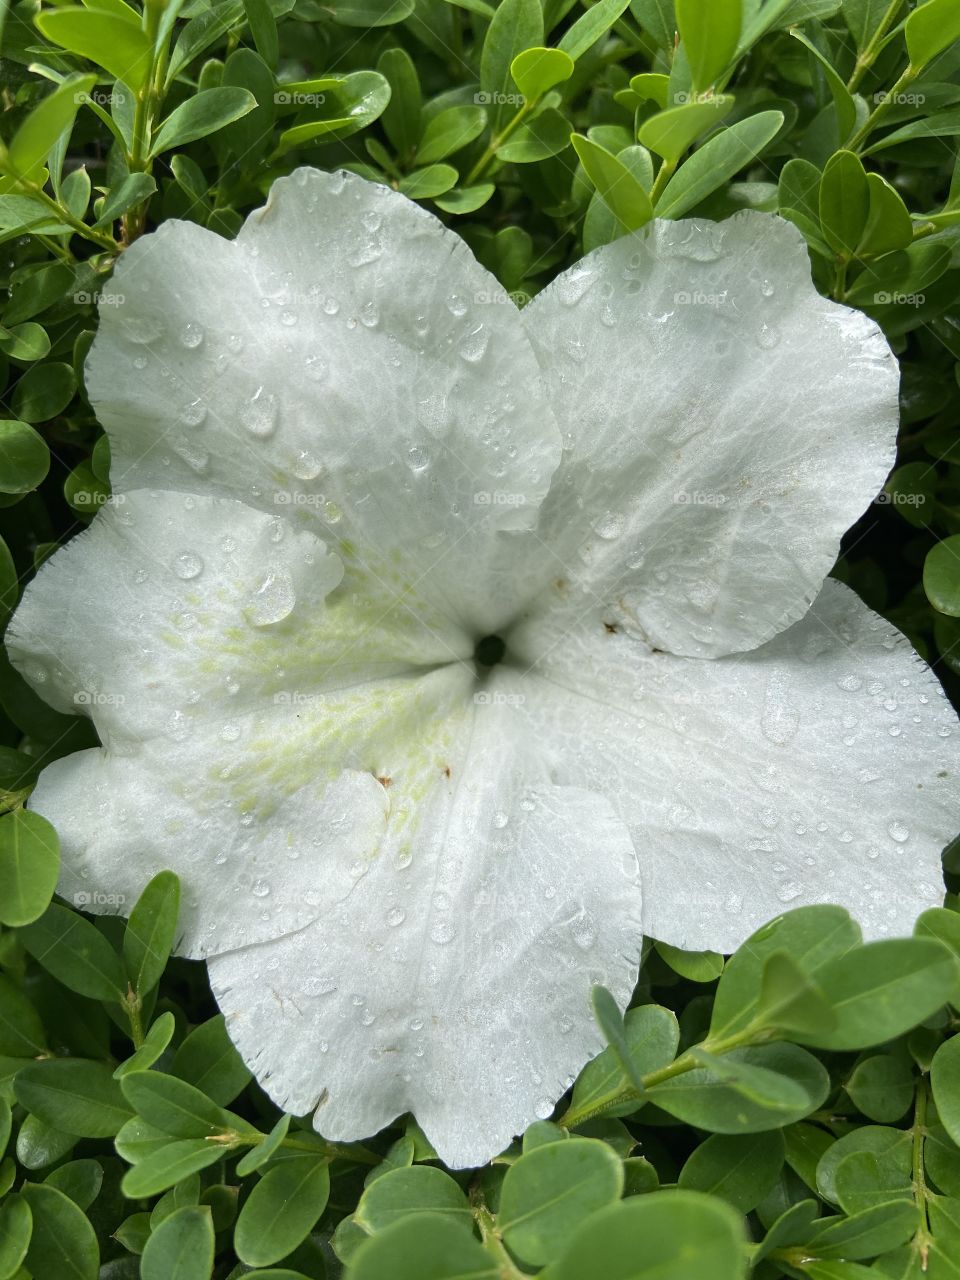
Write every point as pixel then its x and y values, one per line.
pixel 489 651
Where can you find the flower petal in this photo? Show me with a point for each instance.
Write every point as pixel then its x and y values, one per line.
pixel 345 359
pixel 454 981
pixel 724 425
pixel 822 767
pixel 246 712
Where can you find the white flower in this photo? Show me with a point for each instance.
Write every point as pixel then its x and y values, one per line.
pixel 337 454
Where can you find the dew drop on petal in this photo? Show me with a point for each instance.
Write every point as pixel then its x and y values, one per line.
pixel 609 526
pixel 187 565
pixel 306 466
pixel 193 414
pixel 767 337
pixel 396 916
pixel 259 414
pixel 272 600
pixel 474 345
pixel 191 335
pixel 899 831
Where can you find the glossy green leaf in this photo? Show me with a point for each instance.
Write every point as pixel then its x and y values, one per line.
pixel 16 1226
pixel 710 31
pixel 534 71
pixel 718 160
pixel 550 1191
pixel 881 1087
pixel 63 1243
pixel 930 29
pixel 516 25
pixel 945 1082
pixel 169 1164
pixel 682 1235
pixel 201 115
pixel 181 1247
pixel 941 576
pixel 75 1095
pixel 621 192
pixel 449 131
pixel 24 457
pixel 416 1190
pixel 208 1060
pixel 76 953
pixel 282 1209
pixel 669 133
pixel 116 43
pixel 29 866
pixel 151 929
pixel 741 1170
pixel 44 391
pixel 425 1247
pixel 844 202
pixel 652 1035
pixel 36 137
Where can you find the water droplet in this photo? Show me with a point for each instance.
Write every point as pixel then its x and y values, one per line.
pixel 442 932
pixel 850 683
pixel 316 368
pixel 332 513
pixel 789 890
pixel 306 466
pixel 331 306
pixel 500 820
pixel 142 329
pixel 767 288
pixel 191 335
pixel 779 720
pixel 544 1109
pixel 187 565
pixel 418 458
pixel 259 414
pixel 193 414
pixel 609 526
pixel 260 889
pixel 235 343
pixel 396 916
pixel 474 346
pixel 272 600
pixel 584 931
pixel 230 733
pixel 898 830
pixel 457 305
pixel 369 315
pixel 767 337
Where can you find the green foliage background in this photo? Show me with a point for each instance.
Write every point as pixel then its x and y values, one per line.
pixel 794 1111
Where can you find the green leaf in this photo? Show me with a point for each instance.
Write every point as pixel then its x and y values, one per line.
pixel 590 27
pixel 741 1170
pixel 24 457
pixel 371 13
pixel 38 134
pixel 80 1180
pixel 930 29
pixel 881 1087
pixel 203 114
pixel 843 102
pixel 155 1042
pixel 134 189
pixel 76 953
pixel 21 1030
pixel 680 1235
pixel 424 1247
pixel 866 1234
pixel 27 342
pixel 710 31
pixel 75 1095
pixel 63 1244
pixel 669 133
pixel 882 989
pixel 747 1090
pixel 259 1155
pixel 610 1021
pixel 39 1145
pixel 175 1107
pixel 844 202
pixel 535 71
pixel 941 576
pixel 43 392
pixel 150 932
pixel 169 1165
pixel 402 1192
pixel 516 25
pixel 624 195
pixel 116 43
pixel 545 134
pixel 449 131
pixel 401 116
pixel 939 923
pixel 945 1082
pixel 282 1210
pixel 425 184
pixel 29 866
pixel 360 99
pixel 16 1225
pixel 720 158
pixel 812 936
pixel 551 1190
pixel 695 966
pixel 208 1060
pixel 888 225
pixel 791 1001
pixel 652 1035
pixel 263 28
pixel 181 1247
